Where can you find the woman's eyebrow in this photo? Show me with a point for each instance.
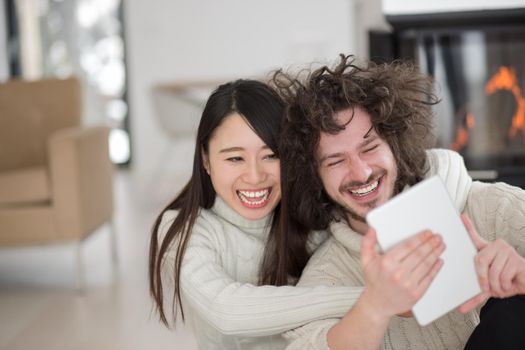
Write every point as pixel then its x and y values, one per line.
pixel 238 149
pixel 231 149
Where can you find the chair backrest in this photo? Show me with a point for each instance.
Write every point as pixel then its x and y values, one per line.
pixel 178 107
pixel 29 112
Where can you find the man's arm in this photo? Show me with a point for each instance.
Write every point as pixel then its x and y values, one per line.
pixel 498 212
pixel 501 270
pixel 394 282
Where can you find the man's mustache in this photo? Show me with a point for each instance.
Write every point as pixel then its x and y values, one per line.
pixel 352 184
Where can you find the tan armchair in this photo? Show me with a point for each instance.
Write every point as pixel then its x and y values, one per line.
pixel 55 175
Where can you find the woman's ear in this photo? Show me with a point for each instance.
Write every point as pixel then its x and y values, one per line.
pixel 205 161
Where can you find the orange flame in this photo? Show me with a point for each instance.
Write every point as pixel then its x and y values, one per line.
pixel 462 133
pixel 470 120
pixel 505 79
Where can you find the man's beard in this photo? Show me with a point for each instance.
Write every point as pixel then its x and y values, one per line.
pixel 352 214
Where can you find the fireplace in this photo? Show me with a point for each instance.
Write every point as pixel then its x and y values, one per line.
pixel 478 62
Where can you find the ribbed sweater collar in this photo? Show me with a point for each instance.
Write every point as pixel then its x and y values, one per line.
pixel 345 235
pixel 254 227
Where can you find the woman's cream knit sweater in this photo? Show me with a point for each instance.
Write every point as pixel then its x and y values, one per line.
pixel 221 299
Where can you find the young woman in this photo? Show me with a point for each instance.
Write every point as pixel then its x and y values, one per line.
pixel 208 246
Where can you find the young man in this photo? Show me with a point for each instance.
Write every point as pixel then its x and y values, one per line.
pixel 354 137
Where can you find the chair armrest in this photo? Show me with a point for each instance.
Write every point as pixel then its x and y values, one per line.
pixel 81 179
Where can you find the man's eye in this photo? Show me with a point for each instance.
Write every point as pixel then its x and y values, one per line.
pixel 334 163
pixel 371 148
pixel 234 159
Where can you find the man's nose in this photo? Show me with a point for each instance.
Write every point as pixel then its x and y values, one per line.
pixel 360 171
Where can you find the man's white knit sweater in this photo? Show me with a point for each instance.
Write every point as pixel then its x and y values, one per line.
pixel 496 210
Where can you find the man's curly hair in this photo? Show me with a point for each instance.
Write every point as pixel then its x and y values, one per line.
pixel 398 99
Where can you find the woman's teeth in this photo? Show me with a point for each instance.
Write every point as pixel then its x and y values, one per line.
pixel 254 194
pixel 254 197
pixel 363 191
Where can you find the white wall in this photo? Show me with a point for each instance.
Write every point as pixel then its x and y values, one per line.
pixel 181 40
pixel 368 15
pixel 4 65
pixel 408 7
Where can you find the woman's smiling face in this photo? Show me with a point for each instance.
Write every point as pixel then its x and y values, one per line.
pixel 244 171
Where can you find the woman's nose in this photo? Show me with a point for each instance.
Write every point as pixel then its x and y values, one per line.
pixel 254 173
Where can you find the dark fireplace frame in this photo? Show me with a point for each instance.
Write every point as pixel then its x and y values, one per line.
pixel 389 46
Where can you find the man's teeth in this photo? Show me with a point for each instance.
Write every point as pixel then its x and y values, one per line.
pixel 254 197
pixel 365 190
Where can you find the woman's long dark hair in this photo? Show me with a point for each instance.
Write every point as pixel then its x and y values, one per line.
pixel 263 110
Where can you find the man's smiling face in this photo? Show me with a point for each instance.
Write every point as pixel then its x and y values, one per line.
pixel 356 166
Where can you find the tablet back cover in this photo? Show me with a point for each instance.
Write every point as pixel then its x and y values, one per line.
pixel 427 205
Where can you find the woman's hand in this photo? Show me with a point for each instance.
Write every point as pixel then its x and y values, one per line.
pixel 396 280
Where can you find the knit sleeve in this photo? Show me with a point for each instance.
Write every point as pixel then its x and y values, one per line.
pixel 450 167
pixel 331 265
pixel 235 308
pixel 498 211
pixel 312 336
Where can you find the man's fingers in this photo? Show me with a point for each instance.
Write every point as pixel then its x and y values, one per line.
pixel 482 268
pixel 421 265
pixel 425 281
pixel 368 244
pixel 473 302
pixel 482 259
pixel 401 250
pixel 495 271
pixel 479 242
pixel 509 271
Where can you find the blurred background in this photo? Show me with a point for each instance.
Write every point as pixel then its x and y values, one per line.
pixel 87 163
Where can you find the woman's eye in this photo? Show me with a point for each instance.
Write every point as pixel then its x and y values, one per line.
pixel 234 159
pixel 271 156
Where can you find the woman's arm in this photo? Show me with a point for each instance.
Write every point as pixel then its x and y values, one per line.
pixel 236 308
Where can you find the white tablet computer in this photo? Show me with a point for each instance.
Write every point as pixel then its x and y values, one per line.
pixel 427 205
